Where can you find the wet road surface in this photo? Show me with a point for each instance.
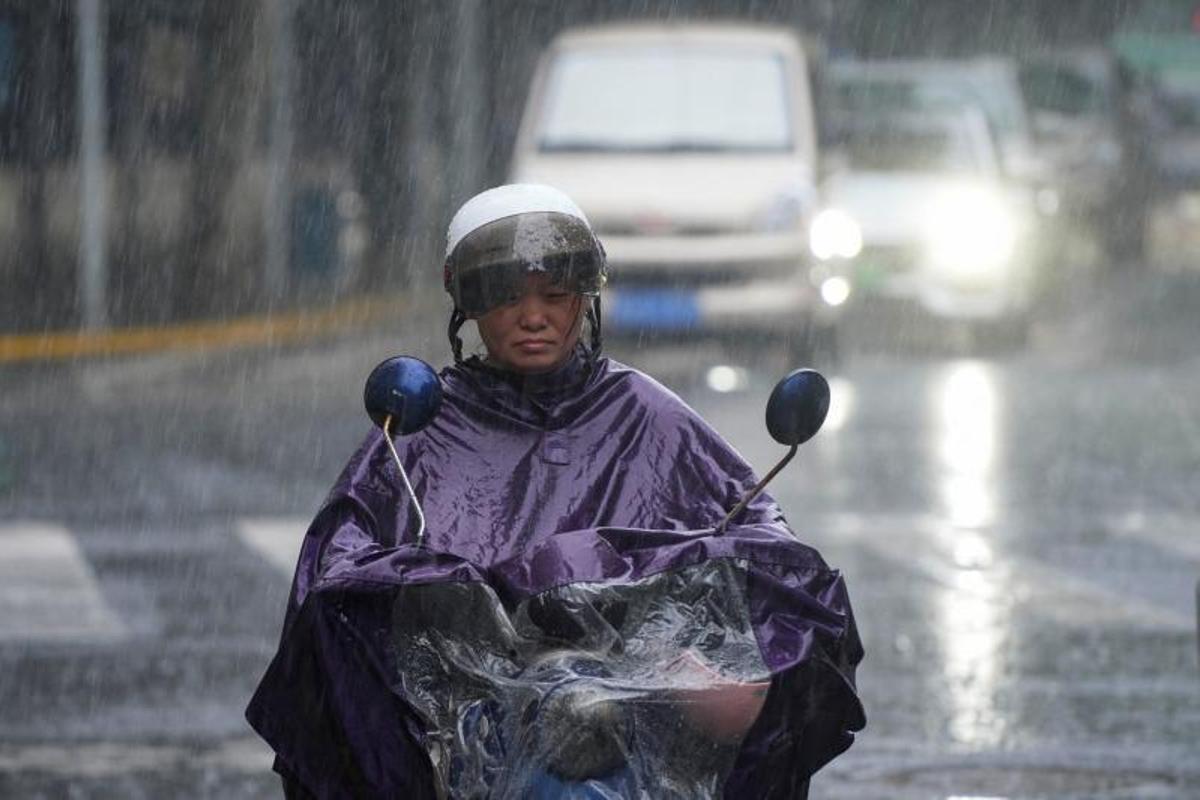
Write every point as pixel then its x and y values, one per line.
pixel 1020 532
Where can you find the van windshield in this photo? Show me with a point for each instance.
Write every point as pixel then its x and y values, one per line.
pixel 666 99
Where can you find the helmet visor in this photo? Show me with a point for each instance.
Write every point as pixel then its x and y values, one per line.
pixel 490 267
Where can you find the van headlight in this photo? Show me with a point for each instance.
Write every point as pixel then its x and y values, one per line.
pixel 834 234
pixel 971 233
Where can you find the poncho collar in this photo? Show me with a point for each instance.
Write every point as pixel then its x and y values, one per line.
pixel 533 397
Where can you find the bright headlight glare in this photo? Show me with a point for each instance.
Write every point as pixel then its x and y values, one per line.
pixel 834 234
pixel 971 232
pixel 835 290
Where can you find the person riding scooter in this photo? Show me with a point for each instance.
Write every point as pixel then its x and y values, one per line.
pixel 576 619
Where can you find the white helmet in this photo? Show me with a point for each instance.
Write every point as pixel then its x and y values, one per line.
pixel 500 236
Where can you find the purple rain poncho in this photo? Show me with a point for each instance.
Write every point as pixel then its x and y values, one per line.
pixel 571 625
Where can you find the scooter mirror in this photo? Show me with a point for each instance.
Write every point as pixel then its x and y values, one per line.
pixel 797 407
pixel 795 412
pixel 407 390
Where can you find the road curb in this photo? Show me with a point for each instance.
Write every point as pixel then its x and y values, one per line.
pixel 249 331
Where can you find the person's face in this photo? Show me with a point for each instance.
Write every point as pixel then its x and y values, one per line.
pixel 537 331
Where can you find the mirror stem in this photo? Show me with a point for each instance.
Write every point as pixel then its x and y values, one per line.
pixel 387 437
pixel 757 490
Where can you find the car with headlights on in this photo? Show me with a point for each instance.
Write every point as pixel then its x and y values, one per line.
pixel 923 213
pixel 692 148
pixel 990 85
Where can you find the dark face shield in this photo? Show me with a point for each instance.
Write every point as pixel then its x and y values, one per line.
pixel 490 266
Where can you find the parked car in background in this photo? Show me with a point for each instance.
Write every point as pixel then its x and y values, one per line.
pixel 693 149
pixel 923 212
pixel 1074 108
pixel 1088 123
pixel 1158 46
pixel 1179 151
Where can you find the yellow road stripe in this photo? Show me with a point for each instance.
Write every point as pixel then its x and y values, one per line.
pixel 239 332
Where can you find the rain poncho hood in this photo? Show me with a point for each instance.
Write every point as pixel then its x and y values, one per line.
pixel 569 616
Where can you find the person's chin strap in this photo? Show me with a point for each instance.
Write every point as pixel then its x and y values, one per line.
pixel 593 317
pixel 457 320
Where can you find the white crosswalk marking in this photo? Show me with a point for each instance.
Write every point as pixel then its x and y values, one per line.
pixel 277 539
pixel 48 591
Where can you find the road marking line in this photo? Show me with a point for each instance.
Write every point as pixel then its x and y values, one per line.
pixel 277 539
pixel 48 591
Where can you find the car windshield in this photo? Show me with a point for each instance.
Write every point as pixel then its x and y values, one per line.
pixel 884 148
pixel 666 99
pixel 936 90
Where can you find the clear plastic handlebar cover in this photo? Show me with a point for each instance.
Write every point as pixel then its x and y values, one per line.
pixel 642 689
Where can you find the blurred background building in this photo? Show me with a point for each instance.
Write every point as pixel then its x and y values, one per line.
pixel 270 154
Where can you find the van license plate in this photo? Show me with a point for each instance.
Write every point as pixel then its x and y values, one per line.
pixel 670 309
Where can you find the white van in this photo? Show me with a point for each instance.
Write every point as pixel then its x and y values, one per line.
pixel 692 148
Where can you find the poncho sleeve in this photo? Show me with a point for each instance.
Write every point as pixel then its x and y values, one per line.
pixel 325 699
pixel 356 521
